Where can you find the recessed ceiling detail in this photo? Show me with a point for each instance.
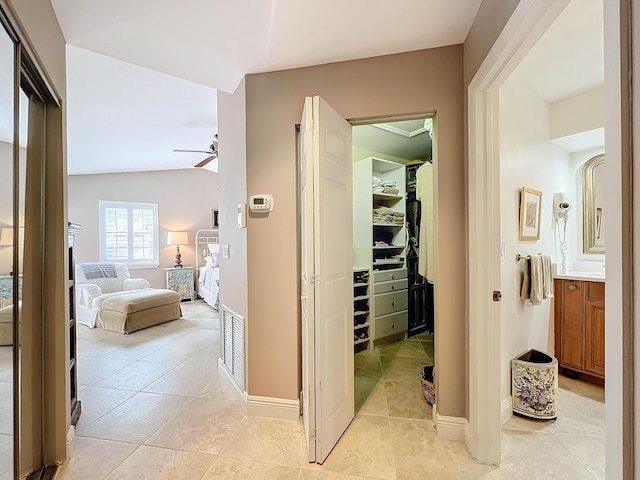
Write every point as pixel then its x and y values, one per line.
pixel 407 128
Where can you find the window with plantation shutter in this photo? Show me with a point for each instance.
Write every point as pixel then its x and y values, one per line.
pixel 129 233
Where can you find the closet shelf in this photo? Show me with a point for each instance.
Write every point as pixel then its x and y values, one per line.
pixel 358 342
pixel 361 297
pixel 358 327
pixel 397 225
pixel 387 196
pixel 360 312
pixel 389 247
pixel 363 284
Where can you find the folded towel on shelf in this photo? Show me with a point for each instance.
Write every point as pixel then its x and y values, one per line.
pixel 547 277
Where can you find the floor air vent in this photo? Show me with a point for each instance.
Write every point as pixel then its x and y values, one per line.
pixel 233 345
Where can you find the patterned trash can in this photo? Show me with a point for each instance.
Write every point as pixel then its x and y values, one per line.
pixel 534 385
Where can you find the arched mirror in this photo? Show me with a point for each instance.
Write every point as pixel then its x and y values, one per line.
pixel 593 205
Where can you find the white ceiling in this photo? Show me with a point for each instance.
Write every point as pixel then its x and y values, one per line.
pixel 124 115
pixel 569 58
pixel 407 139
pixel 216 42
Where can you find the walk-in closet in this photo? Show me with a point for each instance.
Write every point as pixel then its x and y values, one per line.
pixel 393 255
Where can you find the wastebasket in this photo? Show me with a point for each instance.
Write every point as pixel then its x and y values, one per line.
pixel 534 385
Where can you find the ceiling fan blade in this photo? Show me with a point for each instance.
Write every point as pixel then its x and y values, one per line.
pixel 194 151
pixel 204 162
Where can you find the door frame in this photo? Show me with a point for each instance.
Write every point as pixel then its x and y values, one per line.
pixel 526 25
pixel 528 22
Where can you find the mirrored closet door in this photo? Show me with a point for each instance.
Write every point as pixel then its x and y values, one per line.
pixel 9 250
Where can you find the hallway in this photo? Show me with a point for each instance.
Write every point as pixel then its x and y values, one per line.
pixel 155 407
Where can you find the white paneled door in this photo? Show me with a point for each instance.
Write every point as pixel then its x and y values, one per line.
pixel 326 276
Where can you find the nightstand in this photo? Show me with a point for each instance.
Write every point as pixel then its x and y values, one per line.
pixel 181 280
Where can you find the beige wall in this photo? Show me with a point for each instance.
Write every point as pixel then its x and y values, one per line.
pixel 423 81
pixel 232 131
pixel 185 199
pixel 488 24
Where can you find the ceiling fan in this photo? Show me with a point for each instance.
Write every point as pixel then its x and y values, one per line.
pixel 212 152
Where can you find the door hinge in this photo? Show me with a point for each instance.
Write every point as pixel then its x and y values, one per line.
pixel 301 402
pixel 497 295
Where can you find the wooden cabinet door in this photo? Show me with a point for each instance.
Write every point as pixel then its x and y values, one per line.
pixel 571 325
pixel 594 348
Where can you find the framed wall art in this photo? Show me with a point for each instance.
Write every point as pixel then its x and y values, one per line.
pixel 530 210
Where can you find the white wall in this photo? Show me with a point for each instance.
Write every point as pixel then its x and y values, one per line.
pixel 527 159
pixel 185 199
pixel 579 113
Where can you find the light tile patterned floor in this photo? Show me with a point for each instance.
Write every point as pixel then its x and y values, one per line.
pixel 155 407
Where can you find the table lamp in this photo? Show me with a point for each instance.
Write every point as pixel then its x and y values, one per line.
pixel 177 239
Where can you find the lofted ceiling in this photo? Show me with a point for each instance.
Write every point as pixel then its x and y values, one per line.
pixel 143 76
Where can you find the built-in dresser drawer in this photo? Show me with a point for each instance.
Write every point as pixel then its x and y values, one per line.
pixel 386 303
pixel 391 324
pixel 595 290
pixel 387 275
pixel 392 286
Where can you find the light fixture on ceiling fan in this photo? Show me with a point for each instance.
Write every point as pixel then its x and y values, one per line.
pixel 212 152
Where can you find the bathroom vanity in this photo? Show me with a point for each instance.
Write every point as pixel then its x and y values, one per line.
pixel 579 327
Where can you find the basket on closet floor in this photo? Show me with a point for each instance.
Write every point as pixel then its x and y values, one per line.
pixel 427 379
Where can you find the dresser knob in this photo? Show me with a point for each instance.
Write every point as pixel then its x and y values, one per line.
pixel 393 287
pixel 393 325
pixel 393 276
pixel 393 304
pixel 572 287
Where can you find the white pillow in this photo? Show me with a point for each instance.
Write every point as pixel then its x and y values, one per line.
pixel 213 247
pixel 213 260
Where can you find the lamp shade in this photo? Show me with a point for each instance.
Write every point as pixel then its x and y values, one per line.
pixel 6 236
pixel 177 238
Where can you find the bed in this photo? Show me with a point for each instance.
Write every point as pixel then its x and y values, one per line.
pixel 208 266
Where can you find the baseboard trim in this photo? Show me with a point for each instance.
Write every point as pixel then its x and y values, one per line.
pixel 257 406
pixel 241 396
pixel 506 410
pixel 281 408
pixel 451 428
pixel 71 437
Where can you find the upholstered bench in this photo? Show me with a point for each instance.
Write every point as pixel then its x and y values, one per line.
pixel 138 309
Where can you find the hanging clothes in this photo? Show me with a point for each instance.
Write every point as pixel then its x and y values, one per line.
pixel 424 193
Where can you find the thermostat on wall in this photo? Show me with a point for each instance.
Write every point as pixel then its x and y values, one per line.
pixel 261 203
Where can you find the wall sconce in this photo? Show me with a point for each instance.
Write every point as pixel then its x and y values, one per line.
pixel 177 239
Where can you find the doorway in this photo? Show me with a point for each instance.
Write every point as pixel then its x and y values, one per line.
pixel 394 254
pixel 328 328
pixel 488 132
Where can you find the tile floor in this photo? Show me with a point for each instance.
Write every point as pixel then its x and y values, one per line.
pixel 155 407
